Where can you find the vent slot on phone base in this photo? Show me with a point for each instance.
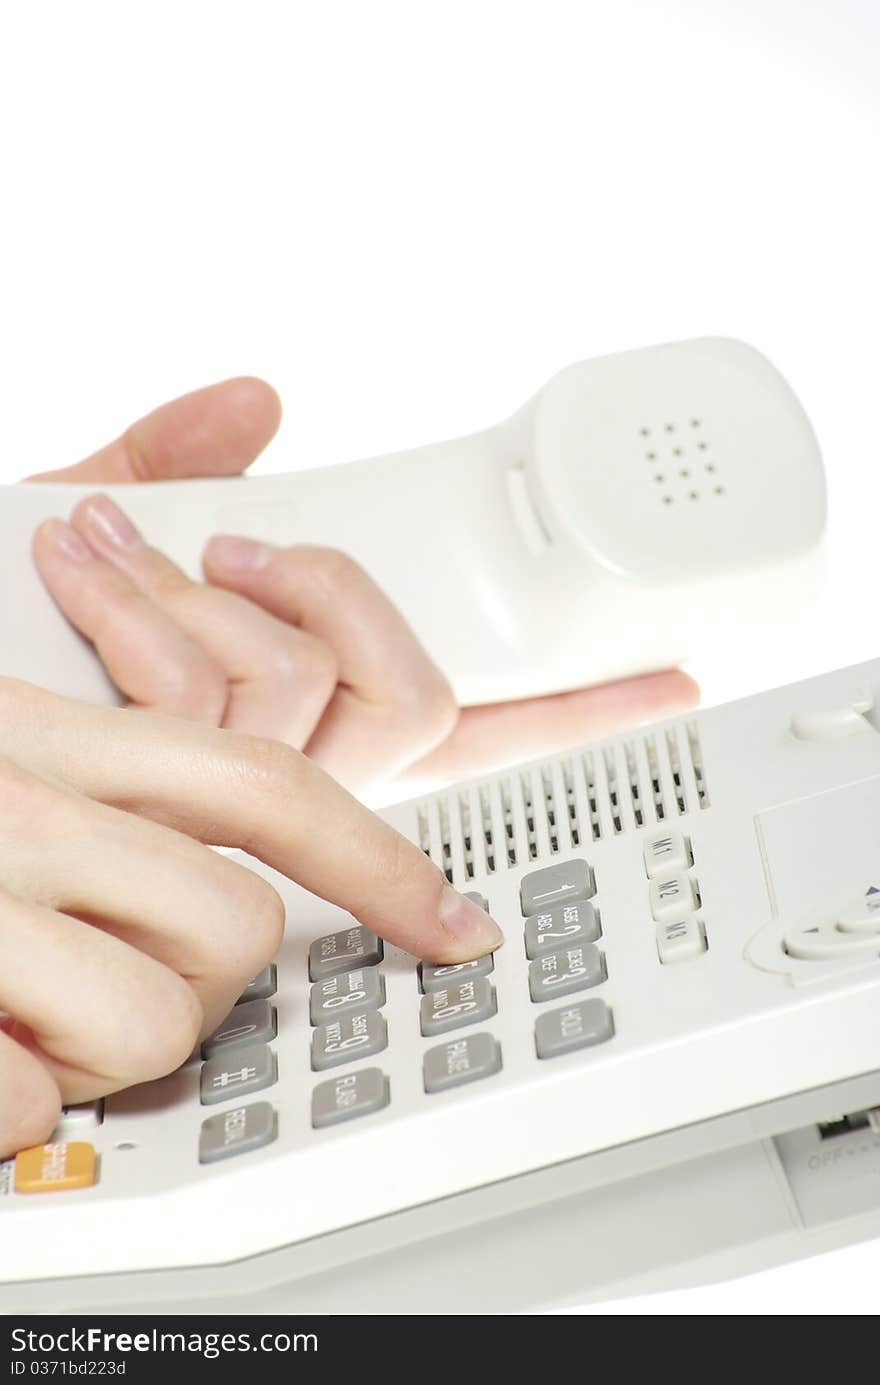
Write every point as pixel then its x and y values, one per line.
pixel 600 793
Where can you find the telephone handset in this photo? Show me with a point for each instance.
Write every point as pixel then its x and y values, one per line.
pixel 639 508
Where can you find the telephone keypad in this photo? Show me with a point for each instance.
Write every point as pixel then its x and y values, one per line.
pixel 561 928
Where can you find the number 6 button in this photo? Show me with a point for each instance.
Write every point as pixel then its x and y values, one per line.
pixel 462 1002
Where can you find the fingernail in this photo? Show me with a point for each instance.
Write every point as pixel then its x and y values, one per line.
pixel 471 924
pixel 238 554
pixel 66 540
pixel 107 522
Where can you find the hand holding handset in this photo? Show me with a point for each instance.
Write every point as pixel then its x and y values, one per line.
pixel 639 507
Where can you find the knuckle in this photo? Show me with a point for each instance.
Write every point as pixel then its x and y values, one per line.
pixel 262 765
pixel 333 569
pixel 427 709
pixel 197 693
pixel 254 924
pixel 30 801
pixel 316 662
pixel 162 1035
pixel 269 775
pixel 438 708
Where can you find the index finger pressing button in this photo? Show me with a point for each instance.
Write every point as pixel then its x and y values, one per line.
pixel 434 977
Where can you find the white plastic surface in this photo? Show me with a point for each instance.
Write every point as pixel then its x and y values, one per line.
pixel 782 834
pixel 540 555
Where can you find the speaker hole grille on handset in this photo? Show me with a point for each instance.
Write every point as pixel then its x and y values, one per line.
pixel 681 458
pixel 603 792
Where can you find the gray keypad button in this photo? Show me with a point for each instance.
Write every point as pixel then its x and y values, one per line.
pixel 237 1131
pixel 362 989
pixel 352 947
pixel 560 884
pixel 476 898
pixel 579 1025
pixel 349 1037
pixel 561 926
pixel 264 984
pixel 460 1002
pixel 464 1059
pixel 236 1072
pixel 254 1022
pixel 434 978
pixel 352 1094
pixel 570 969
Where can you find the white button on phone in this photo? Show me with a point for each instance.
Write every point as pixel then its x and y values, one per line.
pixel 861 915
pixel 672 896
pixel 830 723
pixel 666 853
pixel 829 945
pixel 679 941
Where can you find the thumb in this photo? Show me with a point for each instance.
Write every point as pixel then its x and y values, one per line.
pixel 216 431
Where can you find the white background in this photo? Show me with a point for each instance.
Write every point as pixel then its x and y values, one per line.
pixel 408 216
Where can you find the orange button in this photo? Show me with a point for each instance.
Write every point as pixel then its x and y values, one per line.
pixel 54 1168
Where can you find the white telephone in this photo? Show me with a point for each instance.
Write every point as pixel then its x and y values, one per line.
pixel 669 1073
pixel 641 508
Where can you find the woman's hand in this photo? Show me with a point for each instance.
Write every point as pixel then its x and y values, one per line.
pixel 294 643
pixel 124 939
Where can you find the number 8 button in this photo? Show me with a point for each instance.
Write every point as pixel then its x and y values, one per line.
pixel 363 989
